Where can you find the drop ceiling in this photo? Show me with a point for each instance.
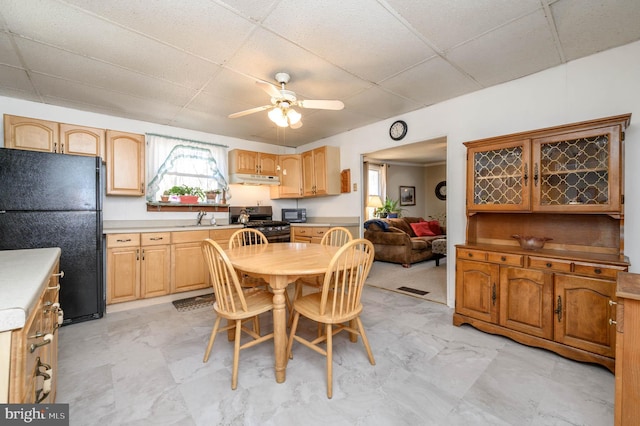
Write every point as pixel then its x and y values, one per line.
pixel 190 64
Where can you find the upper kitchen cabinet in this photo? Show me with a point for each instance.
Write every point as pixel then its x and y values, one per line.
pixel 251 162
pixel 125 163
pixel 321 171
pixel 30 134
pixel 48 136
pixel 80 140
pixel 290 175
pixel 576 168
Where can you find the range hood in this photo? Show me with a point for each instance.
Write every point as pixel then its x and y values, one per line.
pixel 250 179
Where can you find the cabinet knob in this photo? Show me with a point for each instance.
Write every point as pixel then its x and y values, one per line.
pixel 503 258
pixel 612 322
pixel 597 271
pixel 549 265
pixel 470 254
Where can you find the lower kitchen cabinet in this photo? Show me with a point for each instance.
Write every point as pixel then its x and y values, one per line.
pixel 152 264
pixel 155 269
pixel 138 266
pixel 308 234
pixel 33 370
pixel 123 267
pixel 539 301
pixel 189 270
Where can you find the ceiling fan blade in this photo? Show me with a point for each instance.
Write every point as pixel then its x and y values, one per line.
pixel 269 88
pixel 321 104
pixel 297 125
pixel 249 111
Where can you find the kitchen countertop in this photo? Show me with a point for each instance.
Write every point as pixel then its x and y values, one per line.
pixel 24 275
pixel 330 221
pixel 129 226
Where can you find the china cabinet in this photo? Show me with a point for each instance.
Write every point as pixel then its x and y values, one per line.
pixel 627 409
pixel 563 184
pixel 573 168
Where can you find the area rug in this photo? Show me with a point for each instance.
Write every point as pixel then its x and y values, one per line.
pixel 196 302
pixel 424 280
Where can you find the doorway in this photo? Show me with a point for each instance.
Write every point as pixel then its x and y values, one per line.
pixel 419 168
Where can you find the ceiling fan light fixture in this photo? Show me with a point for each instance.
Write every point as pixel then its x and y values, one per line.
pixel 277 116
pixel 294 116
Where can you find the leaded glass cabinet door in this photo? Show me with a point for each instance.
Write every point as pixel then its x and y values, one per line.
pixel 498 177
pixel 577 172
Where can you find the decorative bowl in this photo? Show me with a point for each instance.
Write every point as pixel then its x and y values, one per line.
pixel 528 242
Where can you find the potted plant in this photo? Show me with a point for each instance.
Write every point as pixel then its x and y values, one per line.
pixel 212 195
pixel 165 196
pixel 389 208
pixel 187 194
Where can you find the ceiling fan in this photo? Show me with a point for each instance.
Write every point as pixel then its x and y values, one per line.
pixel 283 101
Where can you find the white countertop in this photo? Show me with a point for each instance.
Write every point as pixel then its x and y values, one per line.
pixel 25 273
pixel 129 226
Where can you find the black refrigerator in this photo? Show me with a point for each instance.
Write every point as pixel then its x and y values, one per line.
pixel 55 200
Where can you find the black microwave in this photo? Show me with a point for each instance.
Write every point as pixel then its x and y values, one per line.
pixel 294 215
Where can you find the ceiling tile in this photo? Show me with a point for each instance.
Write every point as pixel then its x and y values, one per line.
pixel 380 104
pixel 447 23
pixel 8 55
pixel 15 78
pixel 372 45
pixel 523 47
pixel 195 26
pixel 431 82
pixel 54 62
pixel 589 26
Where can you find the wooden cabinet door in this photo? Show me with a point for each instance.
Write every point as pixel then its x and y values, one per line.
pixel 290 177
pixel 189 270
pixel 125 163
pixel 477 291
pixel 241 161
pixel 499 177
pixel 526 301
pixel 155 271
pixel 30 134
pixel 578 171
pixel 267 164
pixel 80 140
pixel 582 313
pixel 308 174
pixel 123 274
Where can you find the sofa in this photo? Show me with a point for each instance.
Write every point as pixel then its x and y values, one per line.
pixel 396 241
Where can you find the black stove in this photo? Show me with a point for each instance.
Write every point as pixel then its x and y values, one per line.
pixel 260 218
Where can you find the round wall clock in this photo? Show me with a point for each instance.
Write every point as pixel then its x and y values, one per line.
pixel 441 190
pixel 398 130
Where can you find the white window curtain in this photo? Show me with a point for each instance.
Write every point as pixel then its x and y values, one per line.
pixel 176 161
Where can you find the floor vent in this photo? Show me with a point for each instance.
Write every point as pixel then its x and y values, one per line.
pixel 413 290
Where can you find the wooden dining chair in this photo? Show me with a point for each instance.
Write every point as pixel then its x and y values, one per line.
pixel 247 237
pixel 338 305
pixel 337 236
pixel 233 303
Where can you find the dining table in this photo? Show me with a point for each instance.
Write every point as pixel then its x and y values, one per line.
pixel 281 264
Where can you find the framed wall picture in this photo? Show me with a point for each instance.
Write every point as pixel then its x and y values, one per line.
pixel 407 195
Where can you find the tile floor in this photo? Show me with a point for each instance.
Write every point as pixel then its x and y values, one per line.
pixel 144 367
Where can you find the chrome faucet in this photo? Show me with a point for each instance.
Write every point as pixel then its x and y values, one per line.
pixel 201 214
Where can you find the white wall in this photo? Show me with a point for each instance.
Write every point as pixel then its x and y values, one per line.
pixel 601 85
pixel 433 206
